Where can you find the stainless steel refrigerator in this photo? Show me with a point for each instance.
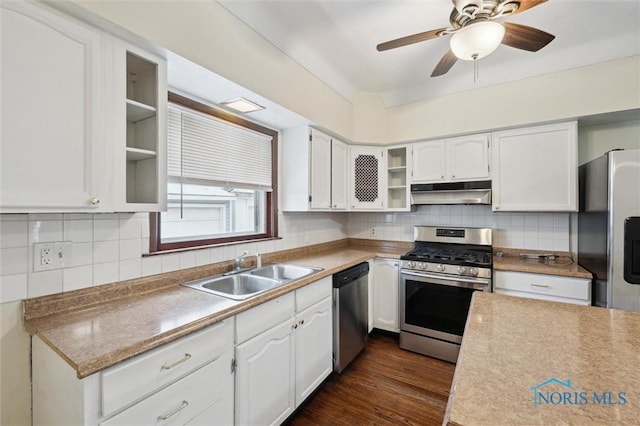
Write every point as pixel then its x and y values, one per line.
pixel 609 228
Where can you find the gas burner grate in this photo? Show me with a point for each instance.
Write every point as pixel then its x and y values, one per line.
pixel 460 255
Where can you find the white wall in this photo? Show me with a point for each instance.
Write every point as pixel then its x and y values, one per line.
pixel 209 35
pixel 206 33
pixel 595 140
pixel 595 89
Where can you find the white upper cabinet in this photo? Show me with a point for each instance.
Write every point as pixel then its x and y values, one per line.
pixel 320 165
pixel 367 178
pixel 141 123
pixel 468 158
pixel 535 168
pixel 314 171
pixel 429 161
pixel 339 174
pixel 83 117
pixel 398 194
pixel 464 158
pixel 52 151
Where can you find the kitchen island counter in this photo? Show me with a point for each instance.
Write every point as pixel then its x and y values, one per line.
pixel 525 361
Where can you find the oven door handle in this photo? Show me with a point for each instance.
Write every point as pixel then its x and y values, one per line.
pixel 476 283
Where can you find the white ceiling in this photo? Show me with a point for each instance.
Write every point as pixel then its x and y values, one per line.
pixel 336 41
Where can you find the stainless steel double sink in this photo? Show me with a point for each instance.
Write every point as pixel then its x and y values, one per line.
pixel 247 284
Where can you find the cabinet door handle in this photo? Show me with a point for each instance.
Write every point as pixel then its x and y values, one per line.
pixel 301 322
pixel 294 326
pixel 186 358
pixel 94 201
pixel 174 412
pixel 539 285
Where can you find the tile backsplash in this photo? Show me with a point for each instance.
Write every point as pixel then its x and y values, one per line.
pixel 106 248
pixel 539 231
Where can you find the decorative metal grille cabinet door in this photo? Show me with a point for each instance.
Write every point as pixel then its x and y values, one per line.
pixel 367 174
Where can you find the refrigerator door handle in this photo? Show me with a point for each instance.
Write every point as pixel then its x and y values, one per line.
pixel 632 250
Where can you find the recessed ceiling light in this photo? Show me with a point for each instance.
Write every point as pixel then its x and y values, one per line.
pixel 242 105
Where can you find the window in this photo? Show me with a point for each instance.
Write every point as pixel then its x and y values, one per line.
pixel 221 179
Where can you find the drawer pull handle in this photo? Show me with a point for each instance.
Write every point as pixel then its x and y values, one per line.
pixel 539 285
pixel 174 412
pixel 186 358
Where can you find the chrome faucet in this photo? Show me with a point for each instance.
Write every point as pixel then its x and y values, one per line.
pixel 238 261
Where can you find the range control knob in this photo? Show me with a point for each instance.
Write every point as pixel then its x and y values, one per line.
pixel 422 265
pixel 411 264
pixel 440 267
pixel 473 272
pixel 462 270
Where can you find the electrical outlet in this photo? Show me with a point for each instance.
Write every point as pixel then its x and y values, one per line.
pixel 45 256
pixel 373 231
pixel 53 255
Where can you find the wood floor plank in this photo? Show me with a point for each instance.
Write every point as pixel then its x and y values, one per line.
pixel 384 385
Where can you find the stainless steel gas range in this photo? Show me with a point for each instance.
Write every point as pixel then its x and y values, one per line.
pixel 437 279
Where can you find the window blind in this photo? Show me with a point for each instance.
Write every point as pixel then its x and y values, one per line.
pixel 208 150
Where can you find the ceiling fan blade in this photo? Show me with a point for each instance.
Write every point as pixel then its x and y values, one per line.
pixel 415 38
pixel 525 38
pixel 445 64
pixel 528 4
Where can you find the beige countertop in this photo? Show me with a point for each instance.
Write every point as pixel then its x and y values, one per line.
pixel 95 328
pixel 563 264
pixel 582 362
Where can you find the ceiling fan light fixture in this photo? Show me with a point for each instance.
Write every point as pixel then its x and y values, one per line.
pixel 477 40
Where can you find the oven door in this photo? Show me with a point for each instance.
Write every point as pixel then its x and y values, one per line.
pixel 437 305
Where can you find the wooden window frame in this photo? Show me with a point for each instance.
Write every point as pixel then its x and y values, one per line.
pixel 271 217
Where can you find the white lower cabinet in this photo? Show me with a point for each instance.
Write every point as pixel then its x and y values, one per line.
pixel 188 381
pixel 265 377
pixel 283 352
pixel 280 365
pixel 183 401
pixel 545 287
pixel 314 343
pixel 385 294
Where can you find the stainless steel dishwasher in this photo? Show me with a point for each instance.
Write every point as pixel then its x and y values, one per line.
pixel 350 314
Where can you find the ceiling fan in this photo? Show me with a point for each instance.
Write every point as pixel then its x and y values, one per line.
pixel 476 34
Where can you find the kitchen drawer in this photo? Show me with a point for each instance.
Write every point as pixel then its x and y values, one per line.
pixel 313 293
pixel 254 321
pixel 131 380
pixel 507 282
pixel 180 402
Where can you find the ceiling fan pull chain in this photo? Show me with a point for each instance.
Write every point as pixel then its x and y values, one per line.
pixel 475 69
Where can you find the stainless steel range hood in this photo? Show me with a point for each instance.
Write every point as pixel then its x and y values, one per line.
pixel 476 192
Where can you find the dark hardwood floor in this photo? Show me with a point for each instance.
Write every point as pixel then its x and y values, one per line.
pixel 383 385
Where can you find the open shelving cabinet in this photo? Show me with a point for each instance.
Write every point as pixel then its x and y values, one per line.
pixel 397 172
pixel 145 120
